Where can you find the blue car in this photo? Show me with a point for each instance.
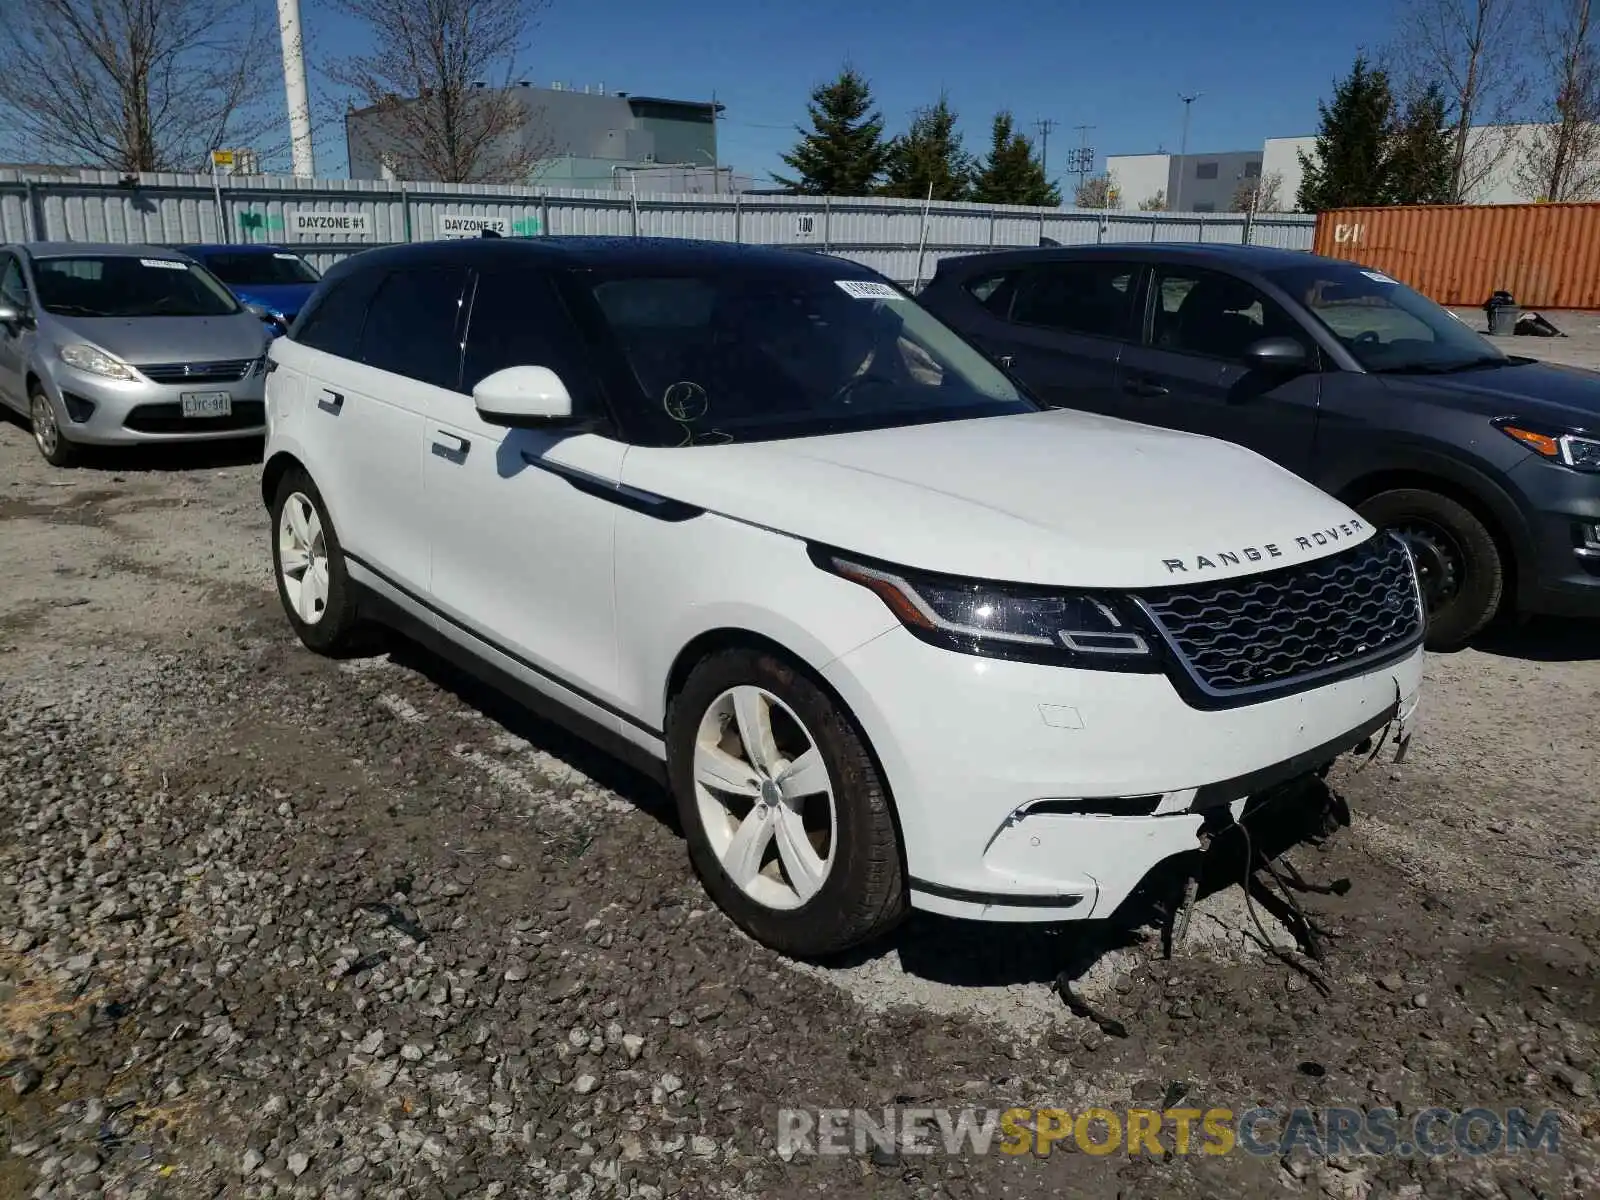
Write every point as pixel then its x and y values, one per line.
pixel 273 278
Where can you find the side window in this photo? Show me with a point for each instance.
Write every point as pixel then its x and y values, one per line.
pixel 413 326
pixel 13 288
pixel 1094 298
pixel 994 291
pixel 1215 315
pixel 332 321
pixel 519 320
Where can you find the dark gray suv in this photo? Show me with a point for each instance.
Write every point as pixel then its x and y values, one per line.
pixel 1487 464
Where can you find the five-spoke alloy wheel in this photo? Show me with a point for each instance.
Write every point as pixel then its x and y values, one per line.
pixel 786 812
pixel 309 564
pixel 764 797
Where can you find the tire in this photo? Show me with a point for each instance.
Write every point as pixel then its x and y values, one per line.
pixel 47 435
pixel 325 616
pixel 1463 575
pixel 850 828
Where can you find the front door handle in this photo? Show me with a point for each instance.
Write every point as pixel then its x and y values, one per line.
pixel 451 446
pixel 1143 387
pixel 330 401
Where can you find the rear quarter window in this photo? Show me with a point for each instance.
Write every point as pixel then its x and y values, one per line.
pixel 333 318
pixel 994 291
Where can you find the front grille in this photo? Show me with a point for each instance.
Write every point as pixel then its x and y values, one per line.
pixel 1241 638
pixel 206 372
pixel 169 418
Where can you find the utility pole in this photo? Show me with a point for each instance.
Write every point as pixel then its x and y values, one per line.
pixel 1044 125
pixel 294 83
pixel 1183 149
pixel 1085 161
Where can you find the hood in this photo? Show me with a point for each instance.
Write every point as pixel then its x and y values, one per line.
pixel 1556 395
pixel 1060 497
pixel 285 298
pixel 167 339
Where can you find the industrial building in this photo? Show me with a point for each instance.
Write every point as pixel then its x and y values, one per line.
pixel 1190 182
pixel 1208 182
pixel 585 138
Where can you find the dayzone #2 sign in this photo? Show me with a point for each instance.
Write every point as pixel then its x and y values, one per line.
pixel 456 226
pixel 331 222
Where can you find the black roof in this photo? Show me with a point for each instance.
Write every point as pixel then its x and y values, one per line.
pixel 583 252
pixel 1254 258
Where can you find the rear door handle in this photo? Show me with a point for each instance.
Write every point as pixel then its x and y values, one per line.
pixel 1143 387
pixel 450 446
pixel 330 401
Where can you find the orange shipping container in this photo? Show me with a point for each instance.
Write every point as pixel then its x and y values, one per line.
pixel 1545 255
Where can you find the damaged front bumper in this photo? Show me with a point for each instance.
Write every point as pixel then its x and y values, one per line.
pixel 1032 793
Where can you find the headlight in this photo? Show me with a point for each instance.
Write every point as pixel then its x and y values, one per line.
pixel 1579 451
pixel 1004 620
pixel 95 361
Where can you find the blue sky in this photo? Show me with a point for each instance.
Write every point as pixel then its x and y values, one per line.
pixel 1261 66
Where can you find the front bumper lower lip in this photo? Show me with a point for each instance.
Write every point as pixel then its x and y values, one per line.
pixel 996 899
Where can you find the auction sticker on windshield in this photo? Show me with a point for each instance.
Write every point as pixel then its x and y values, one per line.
pixel 166 264
pixel 862 289
pixel 1377 276
pixel 206 404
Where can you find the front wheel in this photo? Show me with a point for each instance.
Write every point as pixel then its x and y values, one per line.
pixel 47 435
pixel 786 814
pixel 1458 563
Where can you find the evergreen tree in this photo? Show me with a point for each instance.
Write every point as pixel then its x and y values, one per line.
pixel 1421 154
pixel 844 153
pixel 1349 167
pixel 1013 174
pixel 930 152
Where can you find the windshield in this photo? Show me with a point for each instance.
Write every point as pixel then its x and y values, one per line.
pixel 1384 324
pixel 260 269
pixel 124 286
pixel 751 355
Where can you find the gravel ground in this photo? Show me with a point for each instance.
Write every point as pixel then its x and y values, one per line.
pixel 1579 348
pixel 274 925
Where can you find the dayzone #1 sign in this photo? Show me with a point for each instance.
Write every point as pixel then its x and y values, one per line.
pixel 454 226
pixel 318 222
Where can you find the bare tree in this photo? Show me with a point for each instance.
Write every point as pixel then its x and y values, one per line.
pixel 1156 202
pixel 1475 50
pixel 1559 160
pixel 1261 194
pixel 1098 191
pixel 437 83
pixel 133 85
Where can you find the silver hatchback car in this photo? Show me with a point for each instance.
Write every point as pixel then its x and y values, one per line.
pixel 108 345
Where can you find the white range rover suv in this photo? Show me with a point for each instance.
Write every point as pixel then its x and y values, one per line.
pixel 894 634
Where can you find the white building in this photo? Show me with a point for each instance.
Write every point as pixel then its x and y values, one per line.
pixel 1494 155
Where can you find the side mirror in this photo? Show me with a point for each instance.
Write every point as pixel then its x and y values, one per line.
pixel 10 314
pixel 1284 355
pixel 522 398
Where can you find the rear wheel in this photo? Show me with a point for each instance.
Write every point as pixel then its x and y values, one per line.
pixel 1458 563
pixel 308 561
pixel 47 435
pixel 786 814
